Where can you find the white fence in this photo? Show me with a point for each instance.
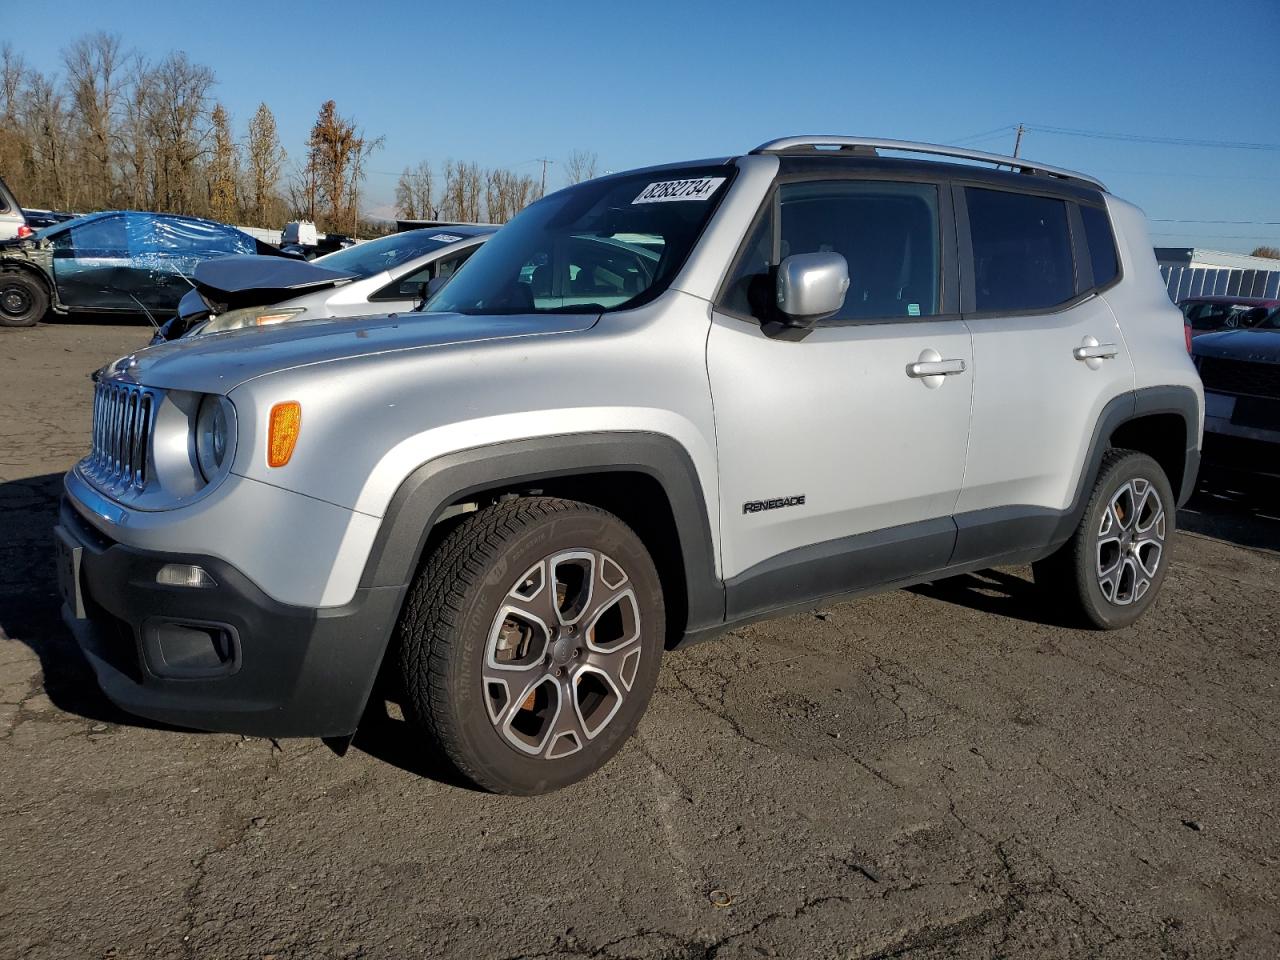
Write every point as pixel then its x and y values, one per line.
pixel 1183 282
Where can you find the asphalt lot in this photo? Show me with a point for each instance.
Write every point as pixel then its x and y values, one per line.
pixel 937 772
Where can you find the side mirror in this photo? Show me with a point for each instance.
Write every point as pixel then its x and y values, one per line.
pixel 811 287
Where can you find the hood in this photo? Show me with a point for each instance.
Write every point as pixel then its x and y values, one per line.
pixel 1258 346
pixel 251 281
pixel 219 362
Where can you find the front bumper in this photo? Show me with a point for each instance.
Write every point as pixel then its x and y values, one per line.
pixel 267 669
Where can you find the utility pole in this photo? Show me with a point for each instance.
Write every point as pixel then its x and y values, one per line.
pixel 1017 143
pixel 544 161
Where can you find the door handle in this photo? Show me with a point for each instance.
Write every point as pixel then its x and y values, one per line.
pixel 934 368
pixel 1095 351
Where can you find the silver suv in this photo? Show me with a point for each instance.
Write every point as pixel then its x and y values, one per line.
pixel 655 406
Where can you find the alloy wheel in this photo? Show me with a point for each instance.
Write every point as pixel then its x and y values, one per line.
pixel 562 653
pixel 1131 540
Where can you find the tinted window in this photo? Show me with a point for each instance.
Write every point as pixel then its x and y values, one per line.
pixel 748 290
pixel 1102 245
pixel 886 232
pixel 104 237
pixel 1021 251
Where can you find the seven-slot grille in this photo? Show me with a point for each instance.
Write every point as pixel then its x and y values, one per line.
pixel 122 417
pixel 1243 377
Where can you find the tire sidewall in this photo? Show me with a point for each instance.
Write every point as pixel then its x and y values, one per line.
pixel 499 764
pixel 36 294
pixel 1101 610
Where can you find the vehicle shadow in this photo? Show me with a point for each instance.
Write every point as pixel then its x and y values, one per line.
pixel 999 592
pixel 30 613
pixel 30 606
pixel 1237 509
pixel 386 735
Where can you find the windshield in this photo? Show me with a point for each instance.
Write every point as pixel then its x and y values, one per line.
pixel 601 245
pixel 374 256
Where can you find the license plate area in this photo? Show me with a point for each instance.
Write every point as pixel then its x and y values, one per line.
pixel 1258 412
pixel 67 557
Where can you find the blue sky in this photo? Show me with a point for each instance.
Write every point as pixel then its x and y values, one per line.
pixel 503 83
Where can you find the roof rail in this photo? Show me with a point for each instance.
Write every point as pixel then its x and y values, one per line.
pixel 816 144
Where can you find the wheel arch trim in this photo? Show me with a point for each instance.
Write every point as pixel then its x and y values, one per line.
pixel 421 498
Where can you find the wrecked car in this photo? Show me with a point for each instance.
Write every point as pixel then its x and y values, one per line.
pixel 389 275
pixel 116 262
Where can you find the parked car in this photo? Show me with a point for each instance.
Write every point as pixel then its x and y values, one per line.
pixel 1203 315
pixel 38 219
pixel 656 405
pixel 121 262
pixel 1241 374
pixel 387 275
pixel 13 222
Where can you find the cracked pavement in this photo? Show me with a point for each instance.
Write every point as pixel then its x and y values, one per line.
pixel 939 772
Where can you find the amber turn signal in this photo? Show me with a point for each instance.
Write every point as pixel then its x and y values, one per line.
pixel 282 434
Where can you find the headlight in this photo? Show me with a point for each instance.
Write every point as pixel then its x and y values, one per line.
pixel 215 437
pixel 251 317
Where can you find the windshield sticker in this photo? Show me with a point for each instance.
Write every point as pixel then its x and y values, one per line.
pixel 444 237
pixel 666 191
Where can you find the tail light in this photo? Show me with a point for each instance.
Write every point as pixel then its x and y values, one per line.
pixel 1186 330
pixel 24 231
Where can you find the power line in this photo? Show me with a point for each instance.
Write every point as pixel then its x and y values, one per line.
pixel 985 135
pixel 1167 141
pixel 1232 223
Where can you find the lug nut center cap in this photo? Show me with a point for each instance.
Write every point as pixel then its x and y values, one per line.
pixel 562 650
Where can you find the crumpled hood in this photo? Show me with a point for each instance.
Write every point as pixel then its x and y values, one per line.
pixel 1259 346
pixel 219 362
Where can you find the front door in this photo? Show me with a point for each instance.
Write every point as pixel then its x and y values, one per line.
pixel 841 455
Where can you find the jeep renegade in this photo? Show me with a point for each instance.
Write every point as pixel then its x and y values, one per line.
pixel 656 405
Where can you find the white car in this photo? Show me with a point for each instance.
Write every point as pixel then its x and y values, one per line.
pixel 389 275
pixel 13 222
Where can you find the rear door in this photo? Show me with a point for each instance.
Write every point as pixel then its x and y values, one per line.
pixel 1048 356
pixel 839 464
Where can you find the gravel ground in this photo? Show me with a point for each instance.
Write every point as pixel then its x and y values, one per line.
pixel 945 771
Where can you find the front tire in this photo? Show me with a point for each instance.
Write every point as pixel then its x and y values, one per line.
pixel 1111 569
pixel 23 298
pixel 531 641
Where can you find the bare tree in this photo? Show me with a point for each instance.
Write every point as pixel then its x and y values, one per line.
pixel 266 161
pixel 336 151
pixel 135 145
pixel 95 66
pixel 414 193
pixel 177 117
pixel 580 166
pixel 224 168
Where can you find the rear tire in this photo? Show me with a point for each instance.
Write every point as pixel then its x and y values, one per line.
pixel 1111 569
pixel 530 643
pixel 24 300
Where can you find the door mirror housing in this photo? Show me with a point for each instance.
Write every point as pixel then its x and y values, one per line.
pixel 811 287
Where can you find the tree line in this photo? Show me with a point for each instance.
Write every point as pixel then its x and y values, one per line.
pixel 113 129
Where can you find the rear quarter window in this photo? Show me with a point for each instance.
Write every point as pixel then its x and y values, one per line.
pixel 1102 245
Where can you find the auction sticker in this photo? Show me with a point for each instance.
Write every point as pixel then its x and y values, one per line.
pixel 700 188
pixel 444 237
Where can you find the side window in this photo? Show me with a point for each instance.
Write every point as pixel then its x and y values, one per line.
pixel 887 233
pixel 747 292
pixel 98 239
pixel 409 287
pixel 1021 251
pixel 1102 245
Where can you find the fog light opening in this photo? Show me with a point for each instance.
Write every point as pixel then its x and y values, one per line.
pixel 184 575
